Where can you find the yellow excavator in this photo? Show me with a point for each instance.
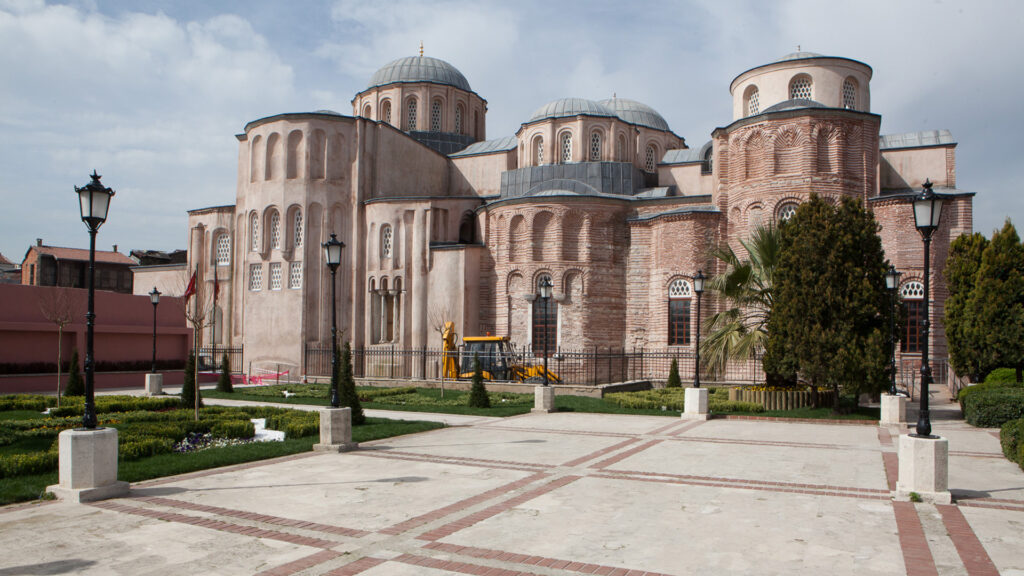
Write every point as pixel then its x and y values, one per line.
pixel 497 359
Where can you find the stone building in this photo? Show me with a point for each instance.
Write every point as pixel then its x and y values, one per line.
pixel 602 197
pixel 56 266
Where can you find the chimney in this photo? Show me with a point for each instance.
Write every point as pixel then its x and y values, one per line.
pixel 115 247
pixel 39 241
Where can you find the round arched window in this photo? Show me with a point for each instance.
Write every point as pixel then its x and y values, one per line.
pixel 680 288
pixel 786 211
pixel 912 290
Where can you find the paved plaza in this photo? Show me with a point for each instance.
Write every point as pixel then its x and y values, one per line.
pixel 553 494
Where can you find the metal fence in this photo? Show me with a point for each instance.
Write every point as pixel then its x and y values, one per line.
pixel 210 357
pixel 908 375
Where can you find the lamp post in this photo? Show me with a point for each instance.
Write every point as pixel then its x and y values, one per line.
pixel 154 297
pixel 545 286
pixel 332 252
pixel 927 212
pixel 94 201
pixel 892 282
pixel 698 288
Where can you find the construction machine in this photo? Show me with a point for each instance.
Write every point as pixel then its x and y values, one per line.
pixel 497 359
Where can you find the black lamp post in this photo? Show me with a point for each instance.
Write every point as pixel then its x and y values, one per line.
pixel 94 201
pixel 154 297
pixel 892 282
pixel 698 288
pixel 332 251
pixel 927 212
pixel 545 286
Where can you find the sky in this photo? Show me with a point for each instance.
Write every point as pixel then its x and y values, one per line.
pixel 152 93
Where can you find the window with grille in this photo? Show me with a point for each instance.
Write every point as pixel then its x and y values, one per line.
pixel 435 116
pixel 295 275
pixel 595 147
pixel 411 115
pixel 275 275
pixel 254 232
pixel 385 241
pixel 545 323
pixel 849 95
pixel 649 161
pixel 538 151
pixel 705 163
pixel 753 102
pixel 223 250
pixel 275 231
pixel 566 146
pixel 679 294
pixel 913 331
pixel 786 211
pixel 255 277
pixel 297 229
pixel 800 87
pixel 458 119
pixel 912 290
pixel 620 149
pixel 386 112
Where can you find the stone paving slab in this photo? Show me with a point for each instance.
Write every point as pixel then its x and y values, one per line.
pixel 1002 535
pixel 788 432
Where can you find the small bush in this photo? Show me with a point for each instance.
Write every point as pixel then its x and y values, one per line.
pixel 144 447
pixel 233 429
pixel 994 384
pixel 1002 376
pixel 673 376
pixel 1011 437
pixel 26 402
pixel 734 406
pixel 295 424
pixel 24 464
pixel 75 385
pixel 478 393
pixel 108 404
pixel 189 391
pixel 994 407
pixel 224 381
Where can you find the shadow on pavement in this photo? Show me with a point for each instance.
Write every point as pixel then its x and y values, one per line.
pixel 55 567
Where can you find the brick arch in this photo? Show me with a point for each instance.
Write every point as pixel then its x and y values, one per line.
pixel 542 229
pixel 755 151
pixel 572 233
pixel 517 315
pixel 853 152
pixel 573 283
pixel 787 150
pixel 827 144
pixel 517 237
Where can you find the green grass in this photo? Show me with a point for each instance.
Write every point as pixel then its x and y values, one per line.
pixel 20 415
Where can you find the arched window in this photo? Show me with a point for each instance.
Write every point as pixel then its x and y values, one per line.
pixel 680 292
pixel 800 87
pixel 595 146
pixel 275 231
pixel 752 101
pixel 850 94
pixel 411 115
pixel 297 229
pixel 545 321
pixel 565 145
pixel 705 162
pixel 912 294
pixel 254 232
pixel 223 249
pixel 385 241
pixel 538 151
pixel 435 116
pixel 385 111
pixel 786 211
pixel 620 149
pixel 366 111
pixel 458 119
pixel 649 160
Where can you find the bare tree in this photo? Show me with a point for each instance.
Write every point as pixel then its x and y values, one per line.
pixel 59 305
pixel 441 319
pixel 198 311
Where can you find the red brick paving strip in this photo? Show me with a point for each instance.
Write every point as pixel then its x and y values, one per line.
pixel 891 461
pixel 460 505
pixel 301 564
pixel 661 430
pixel 996 503
pixel 353 568
pixel 884 436
pixel 467 521
pixel 216 525
pixel 461 567
pixel 502 556
pixel 971 552
pixel 798 420
pixel 819 490
pixel 170 502
pixel 459 461
pixel 624 455
pixel 917 557
pixel 689 426
pixel 601 452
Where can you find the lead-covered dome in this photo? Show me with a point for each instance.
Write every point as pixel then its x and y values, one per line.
pixel 419 69
pixel 568 107
pixel 800 56
pixel 636 113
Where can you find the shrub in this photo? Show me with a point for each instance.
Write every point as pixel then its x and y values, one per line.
pixel 347 387
pixel 189 390
pixel 1020 455
pixel 143 447
pixel 673 376
pixel 734 406
pixel 75 385
pixel 670 398
pixel 24 464
pixel 996 384
pixel 371 395
pixel 108 404
pixel 1001 376
pixel 26 402
pixel 478 393
pixel 233 429
pixel 1011 438
pixel 224 382
pixel 994 407
pixel 295 424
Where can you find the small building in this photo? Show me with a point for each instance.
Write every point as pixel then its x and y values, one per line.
pixel 10 273
pixel 57 266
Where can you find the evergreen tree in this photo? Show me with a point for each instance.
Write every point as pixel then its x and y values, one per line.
pixel 189 389
pixel 996 305
pixel 347 395
pixel 478 393
pixel 961 276
pixel 224 382
pixel 76 385
pixel 673 376
pixel 829 323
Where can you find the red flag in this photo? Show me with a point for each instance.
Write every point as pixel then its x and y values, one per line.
pixel 191 285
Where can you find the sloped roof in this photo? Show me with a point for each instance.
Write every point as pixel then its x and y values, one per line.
pixel 915 139
pixel 488 147
pixel 83 255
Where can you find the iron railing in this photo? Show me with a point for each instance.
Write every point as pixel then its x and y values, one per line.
pixel 908 375
pixel 210 357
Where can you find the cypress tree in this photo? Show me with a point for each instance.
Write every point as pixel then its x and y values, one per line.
pixel 673 376
pixel 347 394
pixel 996 305
pixel 224 382
pixel 188 389
pixel 76 385
pixel 478 393
pixel 961 276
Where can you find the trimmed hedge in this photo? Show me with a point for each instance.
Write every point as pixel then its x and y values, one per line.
pixel 24 464
pixel 295 423
pixel 674 399
pixel 106 404
pixel 1011 438
pixel 993 407
pixel 26 402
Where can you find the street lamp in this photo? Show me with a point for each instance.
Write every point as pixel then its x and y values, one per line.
pixel 698 288
pixel 545 286
pixel 332 252
pixel 927 212
pixel 94 201
pixel 892 282
pixel 154 297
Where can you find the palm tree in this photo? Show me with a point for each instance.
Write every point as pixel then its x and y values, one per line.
pixel 740 331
